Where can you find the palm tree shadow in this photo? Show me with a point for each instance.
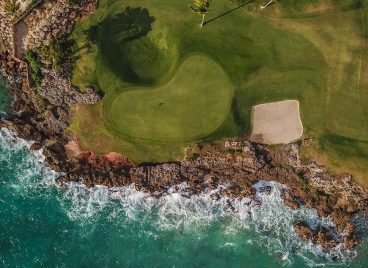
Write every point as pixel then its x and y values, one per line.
pixel 112 34
pixel 228 12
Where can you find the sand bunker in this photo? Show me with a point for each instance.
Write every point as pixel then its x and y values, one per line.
pixel 277 122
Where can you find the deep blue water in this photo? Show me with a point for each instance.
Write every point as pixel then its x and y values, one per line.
pixel 42 225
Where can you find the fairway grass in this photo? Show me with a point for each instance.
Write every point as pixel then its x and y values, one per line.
pixel 158 99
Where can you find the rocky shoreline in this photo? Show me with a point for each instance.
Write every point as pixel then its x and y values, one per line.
pixel 43 113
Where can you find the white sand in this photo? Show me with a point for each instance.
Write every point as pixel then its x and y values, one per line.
pixel 276 122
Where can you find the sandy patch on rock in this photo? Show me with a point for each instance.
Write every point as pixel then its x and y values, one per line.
pixel 115 158
pixel 276 122
pixel 72 149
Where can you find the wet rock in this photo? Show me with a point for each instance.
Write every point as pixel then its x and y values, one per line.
pixel 322 236
pixel 350 239
pixel 304 231
pixel 36 146
pixel 349 242
pixel 265 190
pixel 289 200
pixel 341 219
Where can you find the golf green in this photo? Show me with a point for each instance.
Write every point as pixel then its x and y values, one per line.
pixel 192 105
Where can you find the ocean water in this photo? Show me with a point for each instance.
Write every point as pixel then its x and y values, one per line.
pixel 43 225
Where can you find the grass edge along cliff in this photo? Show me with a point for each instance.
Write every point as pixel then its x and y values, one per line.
pixel 315 53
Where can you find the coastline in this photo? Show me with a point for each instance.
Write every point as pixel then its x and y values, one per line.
pixel 240 164
pixel 101 217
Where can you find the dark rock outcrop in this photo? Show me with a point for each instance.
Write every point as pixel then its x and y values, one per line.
pixel 322 236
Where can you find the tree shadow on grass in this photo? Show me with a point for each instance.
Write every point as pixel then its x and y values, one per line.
pixel 228 12
pixel 112 34
pixel 132 24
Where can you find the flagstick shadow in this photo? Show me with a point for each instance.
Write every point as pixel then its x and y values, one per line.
pixel 228 12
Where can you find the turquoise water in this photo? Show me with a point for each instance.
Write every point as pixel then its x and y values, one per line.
pixel 42 225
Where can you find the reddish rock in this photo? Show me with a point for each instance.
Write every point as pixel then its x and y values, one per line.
pixel 324 238
pixel 350 241
pixel 342 220
pixel 289 200
pixel 304 231
pixel 321 237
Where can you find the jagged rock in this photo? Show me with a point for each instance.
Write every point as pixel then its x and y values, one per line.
pixel 341 219
pixel 304 231
pixel 320 237
pixel 289 200
pixel 54 18
pixel 57 89
pixel 324 238
pixel 350 241
pixel 36 146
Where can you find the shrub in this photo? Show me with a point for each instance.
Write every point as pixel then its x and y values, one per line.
pixel 57 52
pixel 75 2
pixel 194 157
pixel 11 7
pixel 35 65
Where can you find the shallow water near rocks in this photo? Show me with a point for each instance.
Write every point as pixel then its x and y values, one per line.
pixel 45 225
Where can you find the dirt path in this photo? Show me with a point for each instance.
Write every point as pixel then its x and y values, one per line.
pixel 20 34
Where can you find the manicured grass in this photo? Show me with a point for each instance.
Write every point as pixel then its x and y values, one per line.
pixel 316 54
pixel 190 106
pixel 340 33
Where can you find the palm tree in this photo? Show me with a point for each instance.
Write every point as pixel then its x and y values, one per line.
pixel 12 7
pixel 266 5
pixel 201 7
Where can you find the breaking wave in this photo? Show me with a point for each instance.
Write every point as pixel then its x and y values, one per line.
pixel 27 166
pixel 176 210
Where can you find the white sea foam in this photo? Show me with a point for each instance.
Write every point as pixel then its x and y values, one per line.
pixel 28 166
pixel 266 213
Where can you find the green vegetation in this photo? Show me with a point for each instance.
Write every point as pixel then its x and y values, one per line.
pixel 75 2
pixel 35 65
pixel 56 52
pixel 201 7
pixel 189 107
pixel 142 54
pixel 11 7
